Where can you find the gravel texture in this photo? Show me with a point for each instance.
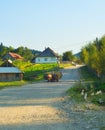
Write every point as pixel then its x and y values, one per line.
pixel 45 106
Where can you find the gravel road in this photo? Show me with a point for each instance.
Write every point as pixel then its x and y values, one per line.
pixel 45 106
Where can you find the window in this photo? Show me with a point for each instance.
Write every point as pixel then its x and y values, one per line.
pixel 46 59
pixel 38 59
pixel 17 75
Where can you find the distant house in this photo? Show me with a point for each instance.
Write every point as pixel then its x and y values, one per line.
pixel 47 56
pixel 10 74
pixel 7 63
pixel 12 56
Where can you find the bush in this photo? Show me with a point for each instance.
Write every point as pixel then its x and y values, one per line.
pixel 90 88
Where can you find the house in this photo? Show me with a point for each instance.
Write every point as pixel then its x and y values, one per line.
pixel 7 63
pixel 47 56
pixel 12 56
pixel 10 74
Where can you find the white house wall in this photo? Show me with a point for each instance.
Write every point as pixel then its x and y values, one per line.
pixel 46 60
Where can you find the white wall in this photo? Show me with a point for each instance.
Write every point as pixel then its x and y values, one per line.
pixel 46 60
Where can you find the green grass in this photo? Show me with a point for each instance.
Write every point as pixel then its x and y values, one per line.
pixel 75 92
pixel 87 75
pixel 32 72
pixel 103 128
pixel 12 84
pixel 63 65
pixel 36 71
pixel 91 88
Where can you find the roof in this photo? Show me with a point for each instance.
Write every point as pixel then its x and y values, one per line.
pixel 10 70
pixel 15 55
pixel 48 53
pixel 7 63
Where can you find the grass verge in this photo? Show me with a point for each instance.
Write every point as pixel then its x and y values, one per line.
pixel 94 91
pixel 12 84
pixel 86 75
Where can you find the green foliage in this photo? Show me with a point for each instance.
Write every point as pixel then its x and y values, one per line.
pixel 91 88
pixel 75 91
pixel 93 55
pixel 102 128
pixel 13 83
pixel 95 99
pixel 25 52
pixel 3 50
pixel 68 56
pixel 35 71
pixel 63 65
pixel 87 75
pixel 22 64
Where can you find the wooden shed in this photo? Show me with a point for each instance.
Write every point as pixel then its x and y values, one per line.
pixel 10 74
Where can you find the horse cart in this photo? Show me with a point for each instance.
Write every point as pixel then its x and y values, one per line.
pixel 53 76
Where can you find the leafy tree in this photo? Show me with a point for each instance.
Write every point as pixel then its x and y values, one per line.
pixel 102 60
pixel 68 56
pixel 27 54
pixel 84 55
pixel 93 55
pixel 3 50
pixel 20 50
pixel 10 49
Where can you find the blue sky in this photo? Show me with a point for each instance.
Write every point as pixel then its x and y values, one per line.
pixel 62 25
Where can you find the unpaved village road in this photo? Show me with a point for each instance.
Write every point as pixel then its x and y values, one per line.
pixel 44 106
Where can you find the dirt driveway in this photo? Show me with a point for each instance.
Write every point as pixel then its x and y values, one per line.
pixel 44 106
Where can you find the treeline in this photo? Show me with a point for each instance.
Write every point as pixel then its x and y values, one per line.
pixel 25 52
pixel 93 55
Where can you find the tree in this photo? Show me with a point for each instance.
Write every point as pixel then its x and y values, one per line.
pixel 10 49
pixel 84 55
pixel 20 50
pixel 93 55
pixel 68 56
pixel 27 54
pixel 3 50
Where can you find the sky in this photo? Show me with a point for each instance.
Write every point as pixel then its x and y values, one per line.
pixel 62 25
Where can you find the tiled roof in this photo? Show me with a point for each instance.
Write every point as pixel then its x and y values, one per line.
pixel 10 70
pixel 48 53
pixel 15 55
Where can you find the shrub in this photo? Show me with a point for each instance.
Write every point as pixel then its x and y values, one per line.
pixel 75 92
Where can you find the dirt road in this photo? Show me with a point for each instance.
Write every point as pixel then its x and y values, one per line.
pixel 44 106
